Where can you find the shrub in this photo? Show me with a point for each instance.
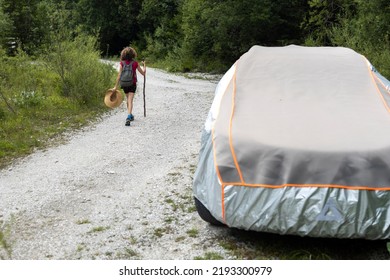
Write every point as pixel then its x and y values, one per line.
pixel 77 64
pixel 28 99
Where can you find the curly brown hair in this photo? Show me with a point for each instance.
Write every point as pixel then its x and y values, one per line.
pixel 128 53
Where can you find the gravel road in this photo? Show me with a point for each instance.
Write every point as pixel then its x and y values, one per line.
pixel 115 192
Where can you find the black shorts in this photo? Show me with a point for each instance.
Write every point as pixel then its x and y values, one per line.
pixel 132 88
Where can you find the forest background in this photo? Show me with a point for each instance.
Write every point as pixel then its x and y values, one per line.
pixel 52 79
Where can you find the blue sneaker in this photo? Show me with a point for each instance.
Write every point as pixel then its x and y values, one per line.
pixel 130 117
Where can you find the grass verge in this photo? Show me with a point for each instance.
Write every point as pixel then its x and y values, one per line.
pixel 248 245
pixel 43 126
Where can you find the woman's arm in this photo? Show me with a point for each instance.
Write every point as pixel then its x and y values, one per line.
pixel 118 77
pixel 142 71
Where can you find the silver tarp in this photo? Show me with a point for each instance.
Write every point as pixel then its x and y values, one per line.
pixel 297 141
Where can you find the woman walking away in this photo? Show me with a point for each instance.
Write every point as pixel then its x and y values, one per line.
pixel 127 78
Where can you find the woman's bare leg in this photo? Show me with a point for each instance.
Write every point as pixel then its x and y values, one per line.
pixel 130 98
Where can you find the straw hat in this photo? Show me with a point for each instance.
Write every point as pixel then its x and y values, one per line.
pixel 113 98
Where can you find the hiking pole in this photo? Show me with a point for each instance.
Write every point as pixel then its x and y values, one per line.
pixel 144 91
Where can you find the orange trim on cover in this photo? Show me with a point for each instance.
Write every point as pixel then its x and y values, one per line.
pixel 365 188
pixel 230 127
pixel 387 89
pixel 215 159
pixel 223 202
pixel 377 88
pixel 215 156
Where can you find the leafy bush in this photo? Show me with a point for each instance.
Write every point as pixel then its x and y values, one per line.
pixel 5 26
pixel 217 33
pixel 5 73
pixel 77 63
pixel 363 26
pixel 33 106
pixel 28 99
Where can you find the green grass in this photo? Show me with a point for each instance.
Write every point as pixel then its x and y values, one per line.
pixel 22 134
pixel 80 247
pixel 169 220
pixel 248 245
pixel 37 127
pixel 129 253
pixel 98 229
pixel 171 202
pixel 5 245
pixel 180 239
pixel 193 233
pixel 133 240
pixel 210 256
pixel 83 222
pixel 159 232
pixel 38 103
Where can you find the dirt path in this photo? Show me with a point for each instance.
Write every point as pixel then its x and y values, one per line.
pixel 115 192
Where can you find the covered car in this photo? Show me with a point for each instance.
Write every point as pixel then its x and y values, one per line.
pixel 297 141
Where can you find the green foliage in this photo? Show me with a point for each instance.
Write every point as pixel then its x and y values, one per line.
pixel 22 76
pixel 160 24
pixel 251 245
pixel 28 99
pixel 5 246
pixel 322 16
pixel 210 256
pixel 360 25
pixel 27 22
pixel 190 35
pixel 2 114
pixel 41 98
pixel 36 110
pixel 83 77
pixel 74 58
pixel 368 32
pixel 5 74
pixel 218 32
pixel 5 26
pixel 115 22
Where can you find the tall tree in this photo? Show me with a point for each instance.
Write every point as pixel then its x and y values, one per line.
pixel 368 32
pixel 114 20
pixel 160 22
pixel 27 18
pixel 374 21
pixel 221 31
pixel 323 16
pixel 5 26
